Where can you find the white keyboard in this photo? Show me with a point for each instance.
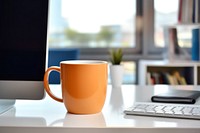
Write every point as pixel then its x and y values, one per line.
pixel 165 110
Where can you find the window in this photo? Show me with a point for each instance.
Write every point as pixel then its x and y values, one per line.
pixel 94 27
pixel 92 24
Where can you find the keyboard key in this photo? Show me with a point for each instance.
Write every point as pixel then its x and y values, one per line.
pixel 139 110
pixel 150 111
pixel 195 110
pixel 198 115
pixel 187 110
pixel 169 112
pixel 159 112
pixel 178 113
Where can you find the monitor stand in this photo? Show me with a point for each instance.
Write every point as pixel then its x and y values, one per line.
pixel 5 105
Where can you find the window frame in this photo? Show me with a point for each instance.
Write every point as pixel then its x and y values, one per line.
pixel 149 15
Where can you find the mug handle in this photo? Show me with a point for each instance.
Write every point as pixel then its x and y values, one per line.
pixel 46 82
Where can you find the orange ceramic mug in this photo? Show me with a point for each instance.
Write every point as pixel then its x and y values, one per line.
pixel 84 85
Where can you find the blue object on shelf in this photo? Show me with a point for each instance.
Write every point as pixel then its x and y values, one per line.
pixel 195 44
pixel 56 56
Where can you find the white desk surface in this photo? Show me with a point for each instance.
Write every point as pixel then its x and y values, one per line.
pixel 48 116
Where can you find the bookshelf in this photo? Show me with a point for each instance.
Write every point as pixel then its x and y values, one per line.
pixel 153 72
pixel 182 66
pixel 177 36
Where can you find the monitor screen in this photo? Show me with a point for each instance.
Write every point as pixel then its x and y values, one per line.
pixel 23 35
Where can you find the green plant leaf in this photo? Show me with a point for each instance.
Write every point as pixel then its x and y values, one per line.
pixel 116 56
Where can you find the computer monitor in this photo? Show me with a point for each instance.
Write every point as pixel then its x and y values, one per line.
pixel 23 49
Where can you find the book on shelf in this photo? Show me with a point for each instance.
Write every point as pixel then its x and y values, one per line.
pixel 152 78
pixel 195 44
pixel 156 77
pixel 180 79
pixel 164 77
pixel 189 11
pixel 196 12
pixel 149 79
pixel 170 79
pixel 179 11
pixel 171 42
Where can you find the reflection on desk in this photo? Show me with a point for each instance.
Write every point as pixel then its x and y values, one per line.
pixel 50 116
pixel 72 120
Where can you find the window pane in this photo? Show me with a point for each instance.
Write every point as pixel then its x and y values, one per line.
pixel 129 72
pixel 184 35
pixel 166 13
pixel 92 23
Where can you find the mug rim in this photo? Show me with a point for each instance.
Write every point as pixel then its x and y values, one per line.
pixel 84 62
